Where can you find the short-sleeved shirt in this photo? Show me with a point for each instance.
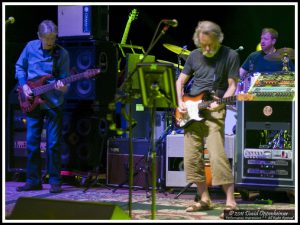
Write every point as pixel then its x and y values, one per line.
pixel 256 62
pixel 211 74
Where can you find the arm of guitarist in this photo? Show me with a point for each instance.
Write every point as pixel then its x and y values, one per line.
pixel 231 88
pixel 214 106
pixel 182 79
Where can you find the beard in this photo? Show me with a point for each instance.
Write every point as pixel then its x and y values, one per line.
pixel 210 54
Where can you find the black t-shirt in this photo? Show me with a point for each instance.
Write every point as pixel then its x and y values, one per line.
pixel 211 74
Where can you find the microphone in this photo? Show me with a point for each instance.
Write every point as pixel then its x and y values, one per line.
pixel 241 48
pixel 172 23
pixel 10 20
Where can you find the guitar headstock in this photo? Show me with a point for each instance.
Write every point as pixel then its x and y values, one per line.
pixel 245 97
pixel 133 15
pixel 91 72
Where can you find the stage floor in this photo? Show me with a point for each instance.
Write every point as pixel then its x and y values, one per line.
pixel 166 207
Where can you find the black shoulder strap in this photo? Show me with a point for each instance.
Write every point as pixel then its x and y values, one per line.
pixel 55 55
pixel 220 76
pixel 217 76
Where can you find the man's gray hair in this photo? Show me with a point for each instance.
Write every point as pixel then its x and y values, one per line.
pixel 47 27
pixel 210 28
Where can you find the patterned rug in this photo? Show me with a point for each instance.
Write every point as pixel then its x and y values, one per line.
pixel 166 207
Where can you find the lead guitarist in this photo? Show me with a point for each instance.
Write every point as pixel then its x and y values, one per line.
pixel 215 68
pixel 42 57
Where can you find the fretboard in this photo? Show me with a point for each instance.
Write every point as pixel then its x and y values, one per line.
pixel 205 104
pixel 126 31
pixel 48 87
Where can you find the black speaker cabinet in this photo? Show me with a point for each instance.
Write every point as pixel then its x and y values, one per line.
pixel 12 53
pixel 83 141
pixel 84 136
pixel 82 57
pixel 118 162
pixel 88 54
pixel 17 143
pixel 28 208
pixel 142 116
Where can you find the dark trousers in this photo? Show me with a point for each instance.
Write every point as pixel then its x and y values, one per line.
pixel 37 121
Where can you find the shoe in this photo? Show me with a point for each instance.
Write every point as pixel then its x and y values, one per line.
pixel 228 207
pixel 30 187
pixel 200 206
pixel 55 188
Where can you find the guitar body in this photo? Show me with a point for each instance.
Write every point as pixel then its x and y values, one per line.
pixel 195 104
pixel 182 120
pixel 27 105
pixel 39 87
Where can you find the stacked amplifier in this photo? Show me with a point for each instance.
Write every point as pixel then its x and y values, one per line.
pixel 266 134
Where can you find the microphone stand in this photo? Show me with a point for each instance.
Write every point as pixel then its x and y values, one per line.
pixel 153 146
pixel 126 86
pixel 178 67
pixel 179 61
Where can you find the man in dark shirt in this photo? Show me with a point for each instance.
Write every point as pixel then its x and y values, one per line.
pixel 215 69
pixel 256 62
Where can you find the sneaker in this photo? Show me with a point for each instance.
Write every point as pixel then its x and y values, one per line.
pixel 55 188
pixel 30 187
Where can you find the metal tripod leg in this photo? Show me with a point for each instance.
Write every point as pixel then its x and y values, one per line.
pixel 147 185
pixel 124 182
pixel 97 168
pixel 183 190
pixel 94 182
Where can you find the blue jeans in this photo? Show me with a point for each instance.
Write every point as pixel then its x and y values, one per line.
pixel 53 125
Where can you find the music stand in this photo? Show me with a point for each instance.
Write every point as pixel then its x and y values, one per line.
pixel 157 86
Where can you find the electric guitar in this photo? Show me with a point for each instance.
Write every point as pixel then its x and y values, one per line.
pixel 132 16
pixel 196 104
pixel 121 64
pixel 39 87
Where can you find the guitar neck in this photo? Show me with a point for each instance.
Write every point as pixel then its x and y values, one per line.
pixel 126 31
pixel 48 87
pixel 203 105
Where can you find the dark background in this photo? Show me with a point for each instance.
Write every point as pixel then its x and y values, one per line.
pixel 240 24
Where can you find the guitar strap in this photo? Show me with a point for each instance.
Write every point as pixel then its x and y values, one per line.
pixel 55 55
pixel 218 76
pixel 216 81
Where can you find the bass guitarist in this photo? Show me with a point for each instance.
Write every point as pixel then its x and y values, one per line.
pixel 215 68
pixel 42 57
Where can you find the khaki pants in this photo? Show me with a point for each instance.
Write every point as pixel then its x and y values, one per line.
pixel 213 129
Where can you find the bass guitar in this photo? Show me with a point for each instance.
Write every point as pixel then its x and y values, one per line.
pixel 196 104
pixel 39 87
